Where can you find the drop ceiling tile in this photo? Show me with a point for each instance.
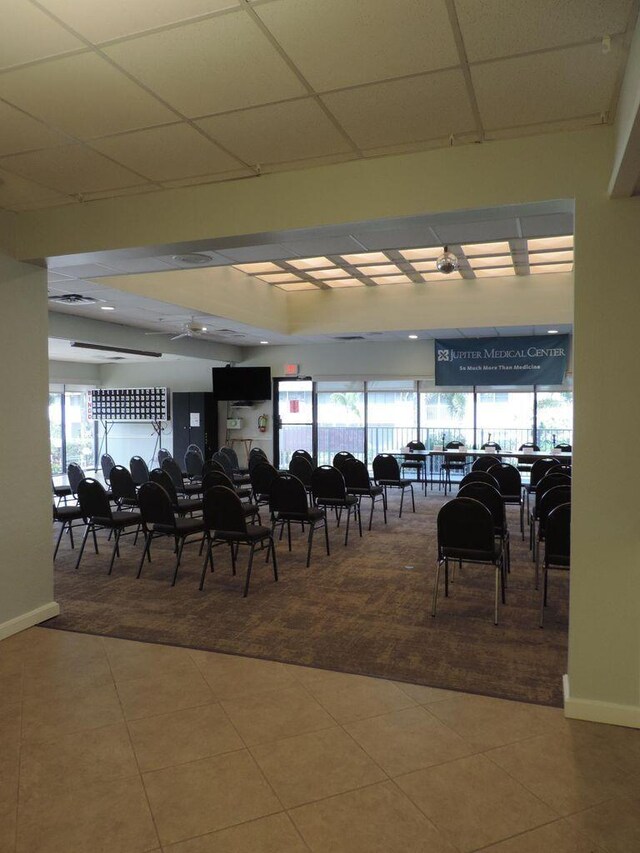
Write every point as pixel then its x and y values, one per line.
pixel 496 28
pixel 398 111
pixel 100 22
pixel 28 34
pixel 167 153
pixel 19 132
pixel 16 190
pixel 277 133
pixel 86 271
pixel 259 269
pixel 249 254
pixel 225 63
pixel 427 252
pixel 71 169
pixel 337 43
pixel 391 238
pixel 345 282
pixel 314 246
pixel 480 231
pixel 83 95
pixel 197 180
pixel 473 250
pixel 137 265
pixel 574 81
pixel 547 225
pixel 491 261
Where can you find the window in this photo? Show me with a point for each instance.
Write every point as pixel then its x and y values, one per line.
pixel 555 418
pixel 340 419
pixel 71 433
pixel 392 411
pixel 446 416
pixel 504 417
pixel 55 431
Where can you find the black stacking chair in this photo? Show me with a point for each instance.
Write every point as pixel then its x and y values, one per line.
pixel 234 476
pixel 65 516
pixel 61 493
pixel 163 454
pixel 358 483
pixel 187 490
pixel 193 464
pixel 302 468
pixel 303 453
pixel 181 506
pixel 483 463
pixel 139 470
pixel 563 448
pixel 489 495
pixel 341 457
pixel 224 521
pixel 540 468
pixel 329 491
pixel 195 448
pixel 554 477
pixel 97 513
pixel 262 475
pixel 418 466
pixel 159 519
pixel 478 477
pixel 466 534
pixel 510 484
pixel 557 547
pixel 219 478
pixel 123 487
pixel 76 475
pixel 233 456
pixel 386 473
pixel 525 462
pixel 491 445
pixel 211 465
pixel 455 462
pixel 551 498
pixel 107 463
pixel 288 503
pixel 257 456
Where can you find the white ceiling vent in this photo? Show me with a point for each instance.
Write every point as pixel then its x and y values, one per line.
pixel 192 259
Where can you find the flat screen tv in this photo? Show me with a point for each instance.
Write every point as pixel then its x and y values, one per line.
pixel 241 383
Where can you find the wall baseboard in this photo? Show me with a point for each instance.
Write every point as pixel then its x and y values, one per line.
pixel 599 712
pixel 28 620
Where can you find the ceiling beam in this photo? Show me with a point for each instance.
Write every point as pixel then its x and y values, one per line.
pixel 625 175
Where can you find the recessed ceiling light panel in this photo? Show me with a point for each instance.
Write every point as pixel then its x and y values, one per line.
pixel 541 243
pixel 310 263
pixel 257 269
pixel 366 258
pixel 473 249
pixel 421 254
pixel 379 269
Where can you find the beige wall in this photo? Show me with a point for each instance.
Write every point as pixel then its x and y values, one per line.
pixel 26 578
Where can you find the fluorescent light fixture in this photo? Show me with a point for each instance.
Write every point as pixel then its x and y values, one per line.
pixel 542 243
pixel 413 337
pixel 335 272
pixel 297 285
pixel 491 261
pixel 541 269
pixel 366 258
pixel 550 257
pixel 279 278
pixel 492 273
pixel 420 254
pixel 102 348
pixel 257 269
pixel 310 263
pixel 346 282
pixel 392 279
pixel 264 342
pixel 501 248
pixel 552 331
pixel 440 276
pixel 379 269
pixel 107 308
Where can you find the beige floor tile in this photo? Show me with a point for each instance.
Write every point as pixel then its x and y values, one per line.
pixel 207 795
pixel 10 723
pixel 10 686
pixel 407 740
pixel 146 697
pixel 377 819
pixel 8 814
pixel 567 774
pixel 614 825
pixel 474 802
pixel 81 758
pixel 58 669
pixel 277 714
pixel 9 774
pixel 273 834
pixel 316 765
pixel 486 722
pixel 424 695
pixel 557 837
pixel 234 677
pixel 106 817
pixel 355 697
pixel 130 660
pixel 183 736
pixel 55 712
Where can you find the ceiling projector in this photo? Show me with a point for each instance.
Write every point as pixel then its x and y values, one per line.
pixel 447 262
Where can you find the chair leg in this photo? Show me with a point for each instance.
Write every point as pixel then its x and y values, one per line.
pixel 289 533
pixel 70 534
pixel 310 543
pixel 356 510
pixel 249 567
pixel 522 518
pixel 543 595
pixel 346 534
pixel 384 509
pixel 116 539
pixel 208 556
pixel 275 561
pixel 373 503
pixel 233 559
pixel 84 542
pixel 495 611
pixel 446 578
pixel 401 502
pixel 537 563
pixel 178 558
pixel 146 552
pixel 326 535
pixel 435 588
pixel 413 500
pixel 64 524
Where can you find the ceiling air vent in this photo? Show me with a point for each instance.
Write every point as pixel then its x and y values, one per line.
pixel 73 299
pixel 192 259
pixel 227 333
pixel 350 338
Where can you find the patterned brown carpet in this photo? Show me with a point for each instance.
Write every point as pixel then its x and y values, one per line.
pixel 365 609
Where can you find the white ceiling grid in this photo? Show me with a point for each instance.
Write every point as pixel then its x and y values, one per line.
pixel 105 99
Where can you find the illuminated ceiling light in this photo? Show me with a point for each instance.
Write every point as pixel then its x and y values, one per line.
pixel 413 337
pixel 541 269
pixel 491 261
pixel 492 273
pixel 366 258
pixel 297 285
pixel 107 308
pixel 346 282
pixel 447 262
pixel 336 272
pixel 280 277
pixel 264 342
pixel 550 257
pixel 501 248
pixel 256 269
pixel 421 254
pixel 392 279
pixel 565 242
pixel 310 263
pixel 379 269
pixel 438 276
pixel 552 331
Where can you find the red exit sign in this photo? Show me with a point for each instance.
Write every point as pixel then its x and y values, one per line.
pixel 291 369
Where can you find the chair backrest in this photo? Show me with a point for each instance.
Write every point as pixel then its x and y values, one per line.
pixel 385 467
pixel 483 463
pixel 491 445
pixel 490 497
pixel 195 448
pixel 173 470
pixel 558 535
pixel 457 457
pixel 262 475
pixel 211 465
pixel 93 499
pixel 159 476
pixel 216 478
pixel 340 458
pixel 75 475
pixel 163 454
pixel 288 494
pixel 304 453
pixel 122 484
pixel 106 463
pixel 155 505
pixel 466 524
pixel 530 447
pixel 224 460
pixel 302 468
pixel 222 510
pixel 508 477
pixel 549 501
pixel 555 477
pixel 480 477
pixel 139 470
pixel 193 463
pixel 564 448
pixel 356 475
pixel 233 456
pixel 328 482
pixel 416 445
pixel 256 457
pixel 540 468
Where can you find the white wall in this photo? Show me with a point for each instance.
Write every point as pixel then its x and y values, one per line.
pixel 26 569
pixel 73 373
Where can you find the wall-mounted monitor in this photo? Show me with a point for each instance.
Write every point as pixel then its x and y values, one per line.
pixel 241 383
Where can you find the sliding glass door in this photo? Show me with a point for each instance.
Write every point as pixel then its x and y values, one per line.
pixel 340 419
pixel 294 398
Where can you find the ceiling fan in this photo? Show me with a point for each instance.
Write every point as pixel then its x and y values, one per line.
pixel 190 329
